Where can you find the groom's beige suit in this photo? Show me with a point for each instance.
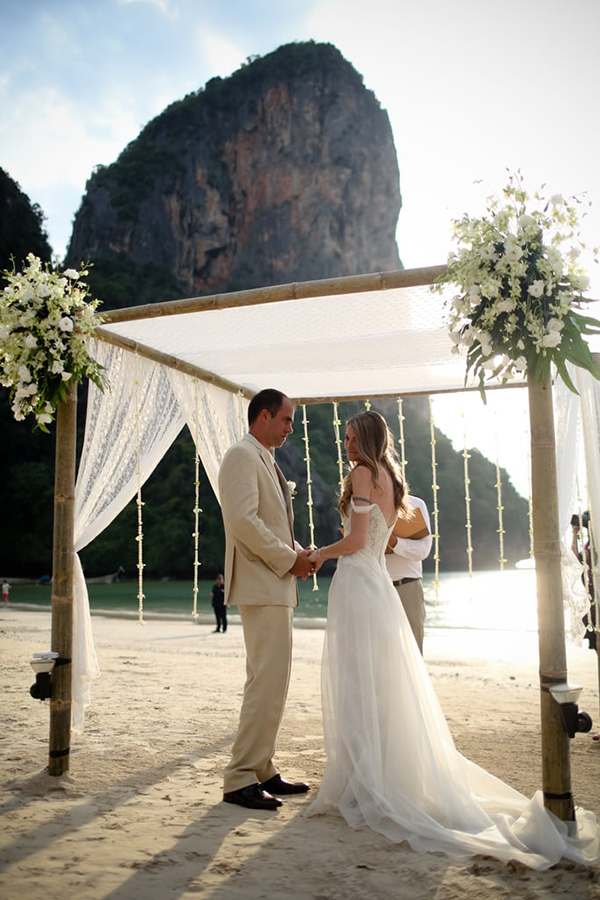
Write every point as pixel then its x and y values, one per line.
pixel 260 551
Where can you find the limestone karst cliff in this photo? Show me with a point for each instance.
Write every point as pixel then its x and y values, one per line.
pixel 285 171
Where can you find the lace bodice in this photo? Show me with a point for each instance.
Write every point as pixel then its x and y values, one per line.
pixel 377 535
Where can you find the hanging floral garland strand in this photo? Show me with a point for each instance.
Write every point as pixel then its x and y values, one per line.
pixel 309 502
pixel 338 444
pixel 435 488
pixel 500 529
pixel 403 459
pixel 529 488
pixel 140 533
pixel 467 457
pixel 197 510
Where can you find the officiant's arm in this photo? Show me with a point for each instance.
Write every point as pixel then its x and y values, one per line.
pixel 408 548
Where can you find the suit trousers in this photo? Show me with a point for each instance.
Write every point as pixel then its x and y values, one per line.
pixel 413 601
pixel 268 640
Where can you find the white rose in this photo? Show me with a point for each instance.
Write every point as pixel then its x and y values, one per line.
pixel 537 288
pixel 71 273
pixel 581 283
pixel 24 373
pixel 486 343
pixel 505 306
pixel 30 341
pixel 43 290
pixel 555 325
pixel 520 364
pixel 526 221
pixel 32 388
pixel 66 324
pixel 555 260
pixel 552 339
pixel 488 252
pixel 512 251
pixel 4 332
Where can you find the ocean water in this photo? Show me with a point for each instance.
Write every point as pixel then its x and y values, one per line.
pixel 489 600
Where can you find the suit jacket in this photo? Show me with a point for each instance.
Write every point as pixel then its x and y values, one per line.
pixel 258 520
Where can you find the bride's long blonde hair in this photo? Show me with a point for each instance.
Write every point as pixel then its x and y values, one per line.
pixel 375 446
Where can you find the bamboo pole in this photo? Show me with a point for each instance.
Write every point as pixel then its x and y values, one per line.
pixel 277 293
pixel 173 362
pixel 62 583
pixel 556 764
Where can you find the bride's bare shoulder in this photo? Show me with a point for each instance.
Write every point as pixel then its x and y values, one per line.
pixel 362 480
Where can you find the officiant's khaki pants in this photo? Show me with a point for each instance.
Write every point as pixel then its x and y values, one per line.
pixel 268 639
pixel 413 601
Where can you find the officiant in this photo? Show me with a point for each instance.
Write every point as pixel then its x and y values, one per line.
pixel 409 544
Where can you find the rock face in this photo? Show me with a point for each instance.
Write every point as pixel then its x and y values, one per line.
pixel 286 171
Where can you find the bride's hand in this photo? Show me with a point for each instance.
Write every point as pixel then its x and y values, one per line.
pixel 315 558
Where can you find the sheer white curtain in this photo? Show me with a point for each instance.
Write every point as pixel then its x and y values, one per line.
pixel 138 412
pixel 216 419
pixel 589 389
pixel 576 421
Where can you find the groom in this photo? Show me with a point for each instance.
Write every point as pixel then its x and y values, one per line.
pixel 262 561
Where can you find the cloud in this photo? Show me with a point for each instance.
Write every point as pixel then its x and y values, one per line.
pixel 165 6
pixel 219 55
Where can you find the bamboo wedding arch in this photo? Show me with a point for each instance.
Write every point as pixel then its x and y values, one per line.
pixel 358 337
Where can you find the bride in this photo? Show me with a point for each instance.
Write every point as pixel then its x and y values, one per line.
pixel 391 760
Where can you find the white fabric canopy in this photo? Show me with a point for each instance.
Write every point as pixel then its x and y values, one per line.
pixel 367 344
pixel 329 344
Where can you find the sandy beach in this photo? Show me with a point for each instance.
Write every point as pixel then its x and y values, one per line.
pixel 140 815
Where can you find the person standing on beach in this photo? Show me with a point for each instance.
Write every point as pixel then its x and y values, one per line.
pixel 5 592
pixel 218 604
pixel 404 560
pixel 262 561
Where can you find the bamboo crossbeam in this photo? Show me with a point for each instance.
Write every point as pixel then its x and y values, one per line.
pixel 277 293
pixel 173 362
pixel 400 393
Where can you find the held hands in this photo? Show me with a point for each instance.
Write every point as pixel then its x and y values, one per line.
pixel 303 567
pixel 315 557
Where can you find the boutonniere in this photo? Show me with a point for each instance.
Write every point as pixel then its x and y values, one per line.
pixel 292 488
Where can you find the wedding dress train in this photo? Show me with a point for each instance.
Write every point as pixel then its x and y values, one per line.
pixel 391 760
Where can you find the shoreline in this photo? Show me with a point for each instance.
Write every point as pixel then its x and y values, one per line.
pixel 300 621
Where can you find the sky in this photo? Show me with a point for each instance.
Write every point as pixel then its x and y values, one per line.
pixel 472 88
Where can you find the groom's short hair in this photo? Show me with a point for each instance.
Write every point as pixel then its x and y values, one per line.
pixel 268 399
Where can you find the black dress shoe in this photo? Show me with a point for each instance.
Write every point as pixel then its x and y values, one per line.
pixel 278 785
pixel 252 797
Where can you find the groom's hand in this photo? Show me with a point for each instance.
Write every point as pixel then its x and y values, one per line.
pixel 303 567
pixel 314 559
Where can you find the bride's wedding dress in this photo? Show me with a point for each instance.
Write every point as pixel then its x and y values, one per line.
pixel 391 760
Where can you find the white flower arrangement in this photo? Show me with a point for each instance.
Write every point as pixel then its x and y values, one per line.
pixel 292 488
pixel 45 321
pixel 520 284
